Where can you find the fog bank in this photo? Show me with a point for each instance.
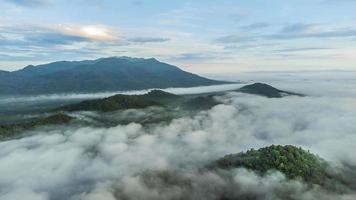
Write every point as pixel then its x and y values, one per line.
pixel 163 161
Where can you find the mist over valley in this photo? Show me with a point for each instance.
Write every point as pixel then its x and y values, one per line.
pixel 160 144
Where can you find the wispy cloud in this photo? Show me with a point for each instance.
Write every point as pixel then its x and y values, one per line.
pixel 193 57
pixel 186 30
pixel 255 26
pixel 300 30
pixel 291 32
pixel 303 49
pixel 36 36
pixel 34 42
pixel 31 3
pixel 70 41
pixel 93 32
pixel 238 38
pixel 148 39
pixel 55 35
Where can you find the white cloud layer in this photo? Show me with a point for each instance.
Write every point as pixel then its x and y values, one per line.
pixel 111 163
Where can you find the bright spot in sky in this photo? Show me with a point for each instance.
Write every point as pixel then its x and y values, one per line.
pixel 89 31
pixel 94 31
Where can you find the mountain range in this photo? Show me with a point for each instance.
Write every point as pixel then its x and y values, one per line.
pixel 121 102
pixel 100 75
pixel 161 98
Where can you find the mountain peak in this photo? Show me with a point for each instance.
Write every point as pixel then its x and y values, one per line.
pixel 266 90
pixel 100 75
pixel 128 58
pixel 160 94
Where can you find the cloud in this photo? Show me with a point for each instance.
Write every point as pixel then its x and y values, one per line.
pixel 164 161
pixel 291 32
pixel 93 32
pixel 303 49
pixel 53 39
pixel 236 184
pixel 255 26
pixel 26 100
pixel 48 43
pixel 61 41
pixel 192 57
pixel 37 36
pixel 31 3
pixel 57 35
pixel 148 39
pixel 299 30
pixel 239 38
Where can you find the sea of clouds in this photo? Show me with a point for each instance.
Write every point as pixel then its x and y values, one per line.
pixel 164 161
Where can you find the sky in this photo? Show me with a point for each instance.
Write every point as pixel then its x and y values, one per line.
pixel 201 36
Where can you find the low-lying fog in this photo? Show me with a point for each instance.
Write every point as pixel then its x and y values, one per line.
pixel 16 107
pixel 158 162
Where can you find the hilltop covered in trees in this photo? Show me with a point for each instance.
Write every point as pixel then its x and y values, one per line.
pixel 293 161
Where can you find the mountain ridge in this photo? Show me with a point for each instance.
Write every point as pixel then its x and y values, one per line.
pixel 100 75
pixel 122 102
pixel 265 90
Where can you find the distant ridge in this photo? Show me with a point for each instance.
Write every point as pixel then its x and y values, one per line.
pixel 266 90
pixel 100 75
pixel 122 102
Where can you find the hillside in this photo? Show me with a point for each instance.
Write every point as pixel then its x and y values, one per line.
pixel 266 90
pixel 10 130
pixel 294 162
pixel 200 103
pixel 160 98
pixel 105 74
pixel 121 102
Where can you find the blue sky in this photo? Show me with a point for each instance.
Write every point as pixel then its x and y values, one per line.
pixel 202 36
